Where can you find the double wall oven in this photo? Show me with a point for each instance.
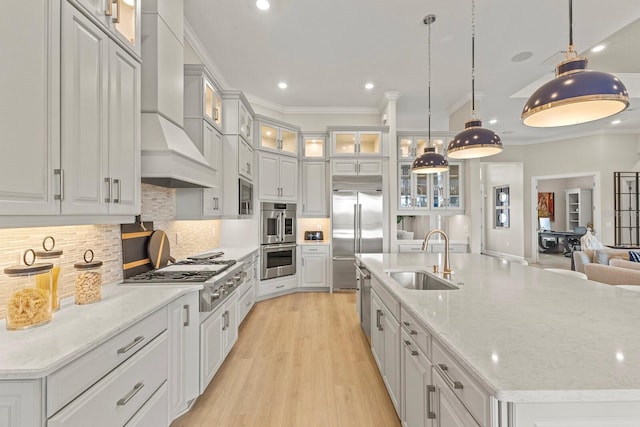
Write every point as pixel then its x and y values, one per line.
pixel 277 240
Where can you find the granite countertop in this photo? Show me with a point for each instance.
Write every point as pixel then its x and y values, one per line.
pixel 526 334
pixel 77 329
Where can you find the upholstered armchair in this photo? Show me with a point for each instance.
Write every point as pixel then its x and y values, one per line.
pixel 612 274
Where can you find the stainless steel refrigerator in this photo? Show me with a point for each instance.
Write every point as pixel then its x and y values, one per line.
pixel 356 224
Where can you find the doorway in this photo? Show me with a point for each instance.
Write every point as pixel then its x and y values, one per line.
pixel 565 190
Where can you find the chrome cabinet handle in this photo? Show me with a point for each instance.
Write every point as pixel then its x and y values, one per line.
pixel 136 388
pixel 116 20
pixel 61 195
pixel 119 188
pixel 378 313
pixel 407 344
pixel 279 286
pixel 224 321
pixel 411 331
pixel 430 414
pixel 215 115
pixel 455 384
pixel 137 340
pixel 108 181
pixel 187 322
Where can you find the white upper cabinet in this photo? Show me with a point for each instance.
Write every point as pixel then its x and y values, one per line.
pixel 31 141
pixel 79 153
pixel 314 146
pixel 314 189
pixel 278 180
pixel 413 191
pixel 237 116
pixel 100 121
pixel 120 18
pixel 277 137
pixel 356 143
pixel 202 99
pixel 447 188
pixel 411 146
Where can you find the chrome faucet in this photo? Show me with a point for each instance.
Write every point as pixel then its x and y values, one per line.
pixel 447 268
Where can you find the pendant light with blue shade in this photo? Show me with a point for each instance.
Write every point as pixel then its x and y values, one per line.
pixel 576 95
pixel 429 161
pixel 474 141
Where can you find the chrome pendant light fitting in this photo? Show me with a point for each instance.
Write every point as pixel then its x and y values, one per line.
pixel 474 141
pixel 576 95
pixel 429 161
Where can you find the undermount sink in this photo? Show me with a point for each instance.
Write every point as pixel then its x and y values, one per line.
pixel 420 280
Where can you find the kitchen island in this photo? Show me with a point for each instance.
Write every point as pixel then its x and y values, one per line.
pixel 544 346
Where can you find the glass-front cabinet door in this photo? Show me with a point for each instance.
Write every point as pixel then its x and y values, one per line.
pixel 288 141
pixel 344 143
pixel 411 147
pixel 278 139
pixel 212 108
pixel 446 188
pixel 413 189
pixel 355 143
pixel 313 147
pixel 370 143
pixel 269 137
pixel 125 20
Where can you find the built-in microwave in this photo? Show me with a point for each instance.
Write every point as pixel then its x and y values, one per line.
pixel 245 197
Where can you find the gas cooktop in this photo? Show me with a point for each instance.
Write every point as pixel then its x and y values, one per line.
pixel 195 271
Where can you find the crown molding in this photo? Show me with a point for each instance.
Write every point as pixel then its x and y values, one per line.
pixel 191 37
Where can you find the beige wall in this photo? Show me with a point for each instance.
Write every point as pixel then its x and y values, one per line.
pixel 599 154
pixel 504 241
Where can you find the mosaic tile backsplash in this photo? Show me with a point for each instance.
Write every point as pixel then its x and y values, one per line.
pixel 158 205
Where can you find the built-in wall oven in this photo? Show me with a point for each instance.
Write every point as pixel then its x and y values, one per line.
pixel 277 240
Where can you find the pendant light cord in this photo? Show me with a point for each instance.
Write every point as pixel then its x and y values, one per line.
pixel 473 60
pixel 572 51
pixel 429 88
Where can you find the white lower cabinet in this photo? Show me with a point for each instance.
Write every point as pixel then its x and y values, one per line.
pixel 154 412
pixel 218 334
pixel 385 345
pixel 184 362
pixel 416 385
pixel 118 396
pixel 315 264
pixel 449 411
pixel 21 403
pixel 276 287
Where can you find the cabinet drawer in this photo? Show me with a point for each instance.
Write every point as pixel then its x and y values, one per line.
pixel 119 395
pixel 66 383
pixel 416 331
pixel 315 249
pixel 410 248
pixel 154 412
pixel 472 395
pixel 244 305
pixel 390 302
pixel 272 286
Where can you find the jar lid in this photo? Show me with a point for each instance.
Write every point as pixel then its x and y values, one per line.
pixel 88 263
pixel 48 251
pixel 29 267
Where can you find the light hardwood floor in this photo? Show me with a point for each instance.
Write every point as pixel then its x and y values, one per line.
pixel 301 360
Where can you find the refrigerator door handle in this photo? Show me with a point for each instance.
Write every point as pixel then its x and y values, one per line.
pixel 355 228
pixel 359 228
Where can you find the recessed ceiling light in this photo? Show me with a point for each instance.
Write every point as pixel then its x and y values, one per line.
pixel 263 4
pixel 493 121
pixel 368 86
pixel 598 48
pixel 616 122
pixel 282 85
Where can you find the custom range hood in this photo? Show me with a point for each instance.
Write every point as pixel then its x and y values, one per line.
pixel 169 157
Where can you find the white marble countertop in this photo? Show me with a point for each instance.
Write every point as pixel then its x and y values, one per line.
pixel 77 329
pixel 526 334
pixel 313 242
pixel 235 252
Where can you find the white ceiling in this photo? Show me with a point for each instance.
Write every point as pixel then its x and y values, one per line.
pixel 327 50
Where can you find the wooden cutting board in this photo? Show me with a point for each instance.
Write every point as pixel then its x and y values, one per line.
pixel 159 249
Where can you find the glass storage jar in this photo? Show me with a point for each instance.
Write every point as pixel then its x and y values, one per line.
pixel 29 302
pixel 54 257
pixel 88 279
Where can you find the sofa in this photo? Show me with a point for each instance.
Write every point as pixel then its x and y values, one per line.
pixel 597 256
